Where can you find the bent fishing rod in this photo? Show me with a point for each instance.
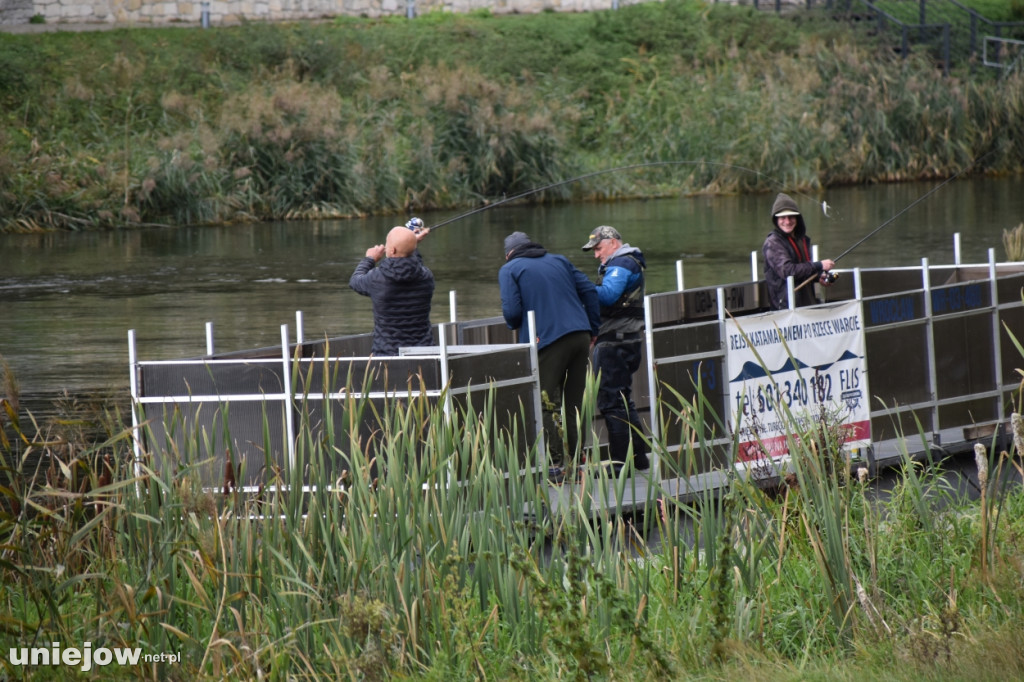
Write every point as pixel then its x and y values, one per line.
pixel 906 208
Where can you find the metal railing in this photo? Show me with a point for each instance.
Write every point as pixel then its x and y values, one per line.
pixel 953 31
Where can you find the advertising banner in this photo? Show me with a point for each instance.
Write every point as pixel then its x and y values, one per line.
pixel 789 370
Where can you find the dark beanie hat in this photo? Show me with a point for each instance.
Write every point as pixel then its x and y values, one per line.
pixel 515 240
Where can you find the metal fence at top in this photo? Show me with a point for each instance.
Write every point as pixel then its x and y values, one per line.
pixel 952 32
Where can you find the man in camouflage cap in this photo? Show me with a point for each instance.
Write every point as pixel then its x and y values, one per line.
pixel 616 351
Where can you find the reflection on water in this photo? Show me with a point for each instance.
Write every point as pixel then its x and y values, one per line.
pixel 68 300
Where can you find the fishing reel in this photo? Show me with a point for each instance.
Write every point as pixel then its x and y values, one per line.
pixel 415 224
pixel 829 277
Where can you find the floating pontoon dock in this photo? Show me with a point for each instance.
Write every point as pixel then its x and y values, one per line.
pixel 910 360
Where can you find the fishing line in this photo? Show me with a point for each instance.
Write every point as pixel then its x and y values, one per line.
pixel 906 208
pixel 651 164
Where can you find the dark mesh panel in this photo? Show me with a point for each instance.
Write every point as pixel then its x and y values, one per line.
pixel 339 347
pixel 960 298
pixel 682 377
pixel 897 360
pixel 513 410
pixel 964 360
pixel 641 389
pixel 212 378
pixel 687 340
pixel 480 368
pixel 889 426
pixel 882 282
pixel 1012 319
pixel 900 307
pixel 399 375
pixel 968 412
pixel 195 435
pixel 666 308
pixel 1010 289
pixel 483 332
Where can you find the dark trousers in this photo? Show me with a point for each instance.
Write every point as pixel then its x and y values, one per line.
pixel 617 361
pixel 563 378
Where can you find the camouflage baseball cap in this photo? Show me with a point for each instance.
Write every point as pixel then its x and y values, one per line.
pixel 601 233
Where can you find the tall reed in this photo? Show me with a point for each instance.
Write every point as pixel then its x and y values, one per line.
pixel 430 549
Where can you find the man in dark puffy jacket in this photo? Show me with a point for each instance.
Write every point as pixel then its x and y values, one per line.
pixel 400 288
pixel 620 290
pixel 567 316
pixel 787 252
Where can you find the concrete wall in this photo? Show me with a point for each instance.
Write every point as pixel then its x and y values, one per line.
pixel 168 12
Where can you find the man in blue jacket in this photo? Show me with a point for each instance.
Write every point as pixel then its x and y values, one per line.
pixel 620 290
pixel 400 288
pixel 567 316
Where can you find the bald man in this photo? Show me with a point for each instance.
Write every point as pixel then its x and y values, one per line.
pixel 400 289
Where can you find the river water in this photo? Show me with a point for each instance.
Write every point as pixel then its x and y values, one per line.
pixel 68 300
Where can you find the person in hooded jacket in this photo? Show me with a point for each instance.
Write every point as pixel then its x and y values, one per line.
pixel 567 317
pixel 616 350
pixel 787 252
pixel 400 288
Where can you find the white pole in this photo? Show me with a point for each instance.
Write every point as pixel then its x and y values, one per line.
pixel 956 249
pixel 753 266
pixel 652 381
pixel 679 275
pixel 538 412
pixel 447 406
pixel 289 392
pixel 209 338
pixel 997 346
pixel 298 327
pixel 133 383
pixel 933 389
pixel 452 307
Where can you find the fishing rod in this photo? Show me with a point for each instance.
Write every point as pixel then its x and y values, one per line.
pixel 650 164
pixel 906 208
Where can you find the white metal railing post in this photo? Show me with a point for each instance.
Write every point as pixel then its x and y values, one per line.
pixel 446 406
pixel 446 392
pixel 209 338
pixel 679 275
pixel 538 411
pixel 791 292
pixel 454 316
pixel 133 384
pixel 299 333
pixel 956 249
pixel 289 394
pixel 652 384
pixel 753 266
pixel 858 286
pixel 997 349
pixel 930 340
pixel 720 295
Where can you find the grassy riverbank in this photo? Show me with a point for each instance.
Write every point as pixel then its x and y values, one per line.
pixel 172 126
pixel 398 574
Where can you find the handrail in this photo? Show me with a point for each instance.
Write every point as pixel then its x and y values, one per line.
pixel 952 28
pixel 905 31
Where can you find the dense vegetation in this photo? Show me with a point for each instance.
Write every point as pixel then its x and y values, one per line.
pixel 354 116
pixel 393 572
